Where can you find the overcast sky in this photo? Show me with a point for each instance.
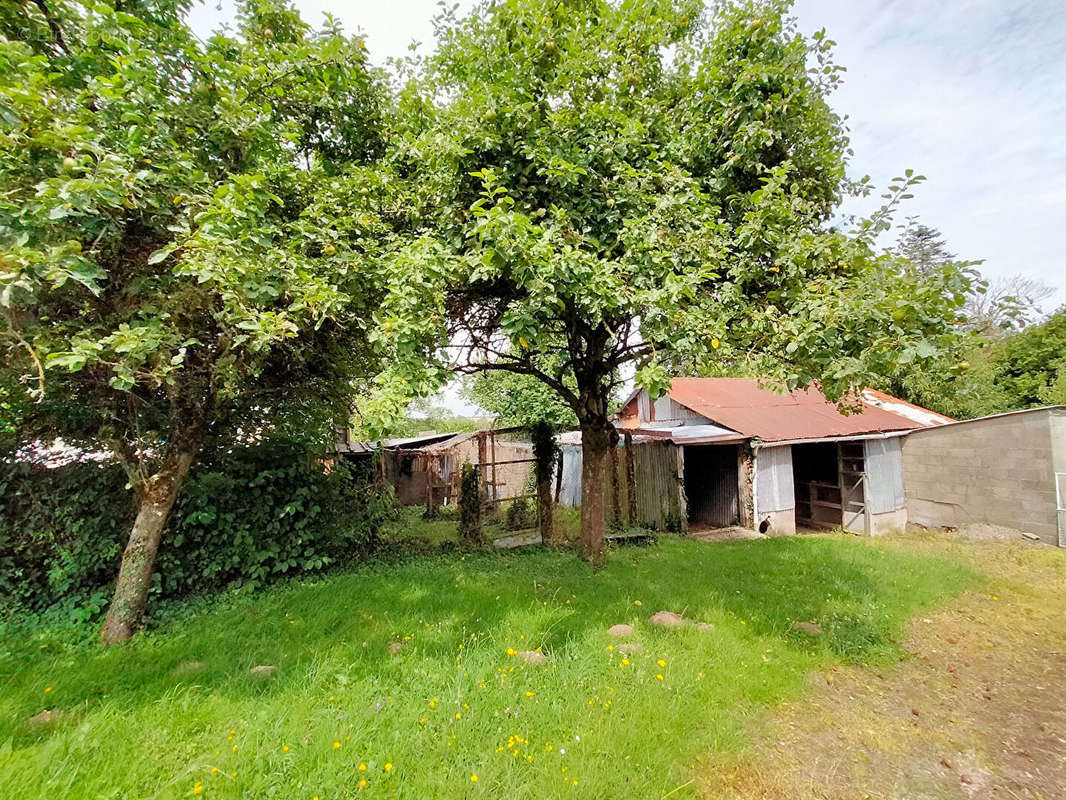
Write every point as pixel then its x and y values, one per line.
pixel 970 93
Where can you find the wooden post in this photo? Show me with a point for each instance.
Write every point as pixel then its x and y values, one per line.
pixel 745 486
pixel 495 484
pixel 559 478
pixel 679 486
pixel 631 482
pixel 482 457
pixel 616 501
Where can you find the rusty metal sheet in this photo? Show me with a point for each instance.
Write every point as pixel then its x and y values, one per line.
pixel 742 405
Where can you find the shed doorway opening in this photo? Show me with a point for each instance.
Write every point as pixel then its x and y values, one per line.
pixel 816 476
pixel 711 487
pixel 830 481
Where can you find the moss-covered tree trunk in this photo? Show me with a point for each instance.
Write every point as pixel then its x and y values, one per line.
pixel 470 505
pixel 156 498
pixel 544 451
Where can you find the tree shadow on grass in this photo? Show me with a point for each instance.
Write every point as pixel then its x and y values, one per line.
pixel 860 594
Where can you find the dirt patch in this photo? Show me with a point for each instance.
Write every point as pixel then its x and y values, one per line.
pixel 977 710
pixel 736 534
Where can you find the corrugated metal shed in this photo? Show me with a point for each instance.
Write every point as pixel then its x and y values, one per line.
pixel 774 487
pixel 691 434
pixel 883 460
pixel 744 406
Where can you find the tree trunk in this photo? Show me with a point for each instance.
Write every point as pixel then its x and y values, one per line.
pixel 156 498
pixel 544 452
pixel 596 441
pixel 549 535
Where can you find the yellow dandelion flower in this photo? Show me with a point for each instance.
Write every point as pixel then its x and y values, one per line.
pixel 610 648
pixel 362 783
pixel 234 748
pixel 658 677
pixel 433 703
pixel 388 767
pixel 458 715
pixel 511 651
pixel 285 749
pixel 530 694
pixel 47 689
pixel 661 663
pixel 331 698
pixel 473 778
pixel 625 662
pixel 336 745
pixel 214 770
pixel 232 732
pixel 198 788
pixel 362 767
pixel 234 773
pixel 715 343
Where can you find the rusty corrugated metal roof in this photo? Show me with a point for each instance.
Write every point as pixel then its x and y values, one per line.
pixel 741 404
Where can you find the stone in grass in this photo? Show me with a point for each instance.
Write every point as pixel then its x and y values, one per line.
pixel 630 648
pixel 533 657
pixel 395 647
pixel 46 717
pixel 620 630
pixel 186 668
pixel 263 671
pixel 666 619
pixel 812 628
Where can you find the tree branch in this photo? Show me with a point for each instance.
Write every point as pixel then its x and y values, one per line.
pixel 53 26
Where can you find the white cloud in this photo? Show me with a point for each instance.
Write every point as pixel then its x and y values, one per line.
pixel 970 94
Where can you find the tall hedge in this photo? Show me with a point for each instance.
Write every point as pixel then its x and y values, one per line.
pixel 246 517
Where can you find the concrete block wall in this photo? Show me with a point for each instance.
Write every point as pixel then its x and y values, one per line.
pixel 996 470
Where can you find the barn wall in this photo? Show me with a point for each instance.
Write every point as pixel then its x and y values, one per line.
pixel 641 410
pixel 512 479
pixel 657 474
pixel 774 488
pixel 884 476
pixel 775 492
pixel 997 470
pixel 1057 422
pixel 570 491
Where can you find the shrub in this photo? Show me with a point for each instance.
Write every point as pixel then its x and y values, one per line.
pixel 247 517
pixel 520 515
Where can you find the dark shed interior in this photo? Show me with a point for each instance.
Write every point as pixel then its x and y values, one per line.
pixel 711 486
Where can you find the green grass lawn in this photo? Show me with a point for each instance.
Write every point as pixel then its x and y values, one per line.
pixel 175 712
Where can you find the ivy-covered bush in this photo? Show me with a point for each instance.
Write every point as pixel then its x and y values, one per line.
pixel 247 517
pixel 60 532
